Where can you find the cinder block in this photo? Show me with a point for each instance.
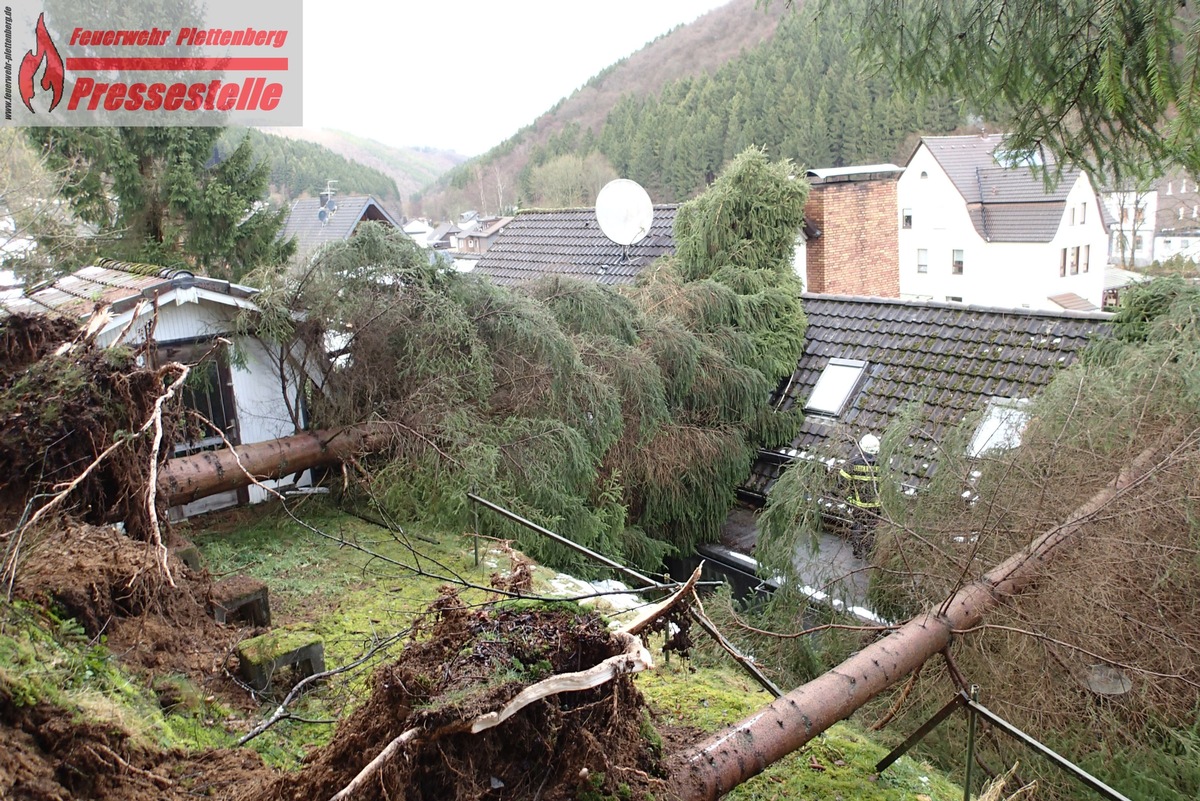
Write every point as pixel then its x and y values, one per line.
pixel 261 658
pixel 189 554
pixel 241 597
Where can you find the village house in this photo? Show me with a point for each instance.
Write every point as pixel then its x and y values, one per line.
pixel 977 225
pixel 246 389
pixel 316 221
pixel 1156 222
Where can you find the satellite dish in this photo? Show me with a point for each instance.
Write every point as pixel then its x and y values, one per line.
pixel 323 215
pixel 331 205
pixel 624 211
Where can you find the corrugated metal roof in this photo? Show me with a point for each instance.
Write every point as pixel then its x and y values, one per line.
pixel 310 233
pixel 570 243
pixel 118 285
pixel 949 358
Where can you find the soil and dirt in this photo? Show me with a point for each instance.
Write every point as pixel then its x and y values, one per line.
pixel 462 663
pixel 473 662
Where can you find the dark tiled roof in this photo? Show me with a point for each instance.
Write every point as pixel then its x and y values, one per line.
pixel 570 243
pixel 1017 222
pixel 118 285
pixel 311 233
pixel 1007 204
pixel 949 357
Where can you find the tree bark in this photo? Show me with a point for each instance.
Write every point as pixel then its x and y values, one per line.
pixel 188 478
pixel 735 754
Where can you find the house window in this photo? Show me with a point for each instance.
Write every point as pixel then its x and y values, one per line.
pixel 1137 243
pixel 924 174
pixel 838 381
pixel 922 260
pixel 906 218
pixel 1082 213
pixel 1072 215
pixel 954 298
pixel 1075 260
pixel 1062 265
pixel 1001 427
pixel 1170 186
pixel 956 262
pixel 1087 257
pixel 1181 212
pixel 208 390
pixel 1124 214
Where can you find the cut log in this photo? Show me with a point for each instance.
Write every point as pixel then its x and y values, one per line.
pixel 189 478
pixel 735 754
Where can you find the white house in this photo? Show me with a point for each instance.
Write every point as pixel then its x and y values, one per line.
pixel 978 226
pixel 1156 222
pixel 1131 240
pixel 237 382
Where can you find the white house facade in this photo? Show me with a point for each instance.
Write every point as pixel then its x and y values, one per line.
pixel 979 230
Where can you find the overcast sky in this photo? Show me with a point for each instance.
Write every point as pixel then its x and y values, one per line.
pixel 465 75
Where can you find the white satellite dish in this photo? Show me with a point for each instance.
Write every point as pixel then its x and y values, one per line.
pixel 624 211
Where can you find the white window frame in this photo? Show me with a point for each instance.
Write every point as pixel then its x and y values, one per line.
pixel 839 381
pixel 922 266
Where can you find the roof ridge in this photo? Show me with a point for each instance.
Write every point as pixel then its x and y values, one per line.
pixel 938 304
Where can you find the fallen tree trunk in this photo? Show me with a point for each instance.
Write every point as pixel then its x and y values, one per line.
pixel 735 754
pixel 188 478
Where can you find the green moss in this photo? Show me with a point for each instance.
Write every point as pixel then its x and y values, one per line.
pixel 838 764
pixel 276 642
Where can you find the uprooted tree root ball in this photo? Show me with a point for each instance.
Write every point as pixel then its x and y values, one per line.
pixel 588 744
pixel 63 401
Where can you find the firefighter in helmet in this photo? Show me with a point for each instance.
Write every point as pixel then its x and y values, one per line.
pixel 860 481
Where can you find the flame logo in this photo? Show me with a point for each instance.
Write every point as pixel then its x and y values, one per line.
pixel 52 78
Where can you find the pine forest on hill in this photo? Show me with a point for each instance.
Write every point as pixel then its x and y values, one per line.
pixel 800 94
pixel 301 168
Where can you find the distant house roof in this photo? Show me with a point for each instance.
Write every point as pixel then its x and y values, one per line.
pixel 949 358
pixel 1007 202
pixel 310 233
pixel 493 226
pixel 570 243
pixel 120 286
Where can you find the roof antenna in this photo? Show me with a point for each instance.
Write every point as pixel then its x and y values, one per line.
pixel 328 206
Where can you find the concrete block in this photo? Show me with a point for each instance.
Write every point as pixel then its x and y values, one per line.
pixel 241 597
pixel 189 554
pixel 261 658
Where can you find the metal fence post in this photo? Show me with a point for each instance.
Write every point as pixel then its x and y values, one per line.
pixel 971 717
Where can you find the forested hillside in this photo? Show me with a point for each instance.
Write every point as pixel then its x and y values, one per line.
pixel 799 92
pixel 412 168
pixel 298 168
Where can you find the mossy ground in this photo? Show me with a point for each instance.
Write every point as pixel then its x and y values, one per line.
pixel 837 766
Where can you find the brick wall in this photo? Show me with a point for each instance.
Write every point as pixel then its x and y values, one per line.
pixel 857 252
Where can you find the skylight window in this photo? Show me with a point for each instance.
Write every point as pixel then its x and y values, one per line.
pixel 1001 427
pixel 1011 159
pixel 837 383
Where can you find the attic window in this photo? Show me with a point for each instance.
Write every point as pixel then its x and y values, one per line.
pixel 906 218
pixel 1001 427
pixel 838 381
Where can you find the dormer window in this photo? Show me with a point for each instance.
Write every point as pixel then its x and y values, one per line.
pixel 839 381
pixel 1002 426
